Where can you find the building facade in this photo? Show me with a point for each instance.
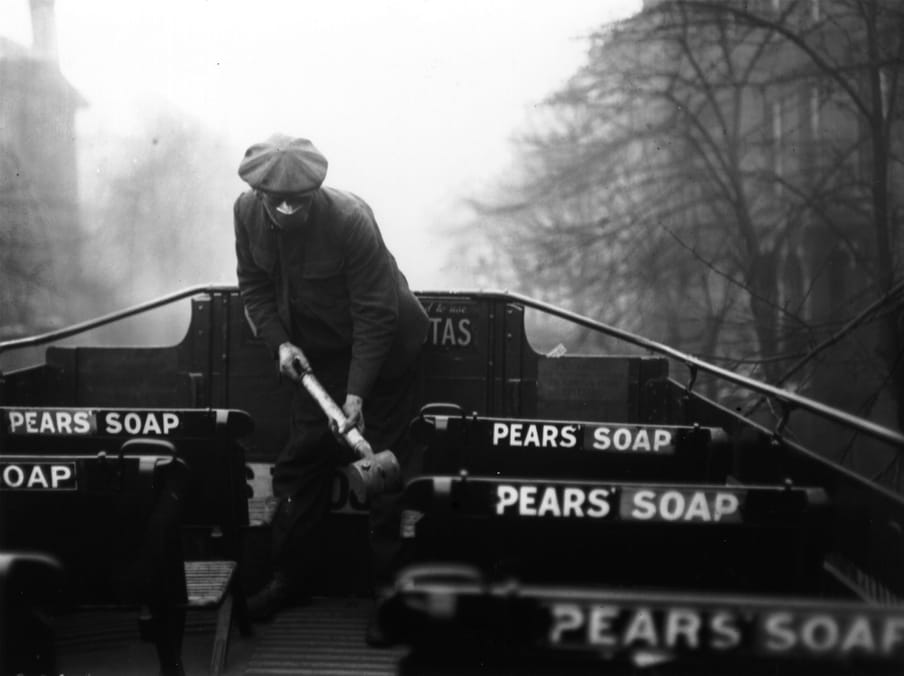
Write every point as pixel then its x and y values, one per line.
pixel 39 213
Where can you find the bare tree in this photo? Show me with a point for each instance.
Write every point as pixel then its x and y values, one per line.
pixel 729 177
pixel 853 52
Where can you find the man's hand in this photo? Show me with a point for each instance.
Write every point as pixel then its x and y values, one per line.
pixel 292 361
pixel 354 414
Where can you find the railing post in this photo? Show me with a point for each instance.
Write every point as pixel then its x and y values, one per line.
pixel 687 399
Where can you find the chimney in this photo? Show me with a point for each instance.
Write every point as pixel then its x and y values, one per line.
pixel 43 30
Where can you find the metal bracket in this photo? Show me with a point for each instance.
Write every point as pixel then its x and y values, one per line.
pixel 786 410
pixel 693 378
pixel 692 368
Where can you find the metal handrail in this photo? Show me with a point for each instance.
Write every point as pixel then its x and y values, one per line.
pixel 69 331
pixel 789 399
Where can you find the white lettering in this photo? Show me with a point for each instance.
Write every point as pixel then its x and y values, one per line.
pixel 47 424
pixel 82 421
pixel 528 498
pixel 643 505
pixel 549 504
pixel 37 478
pixel 565 617
pixel 820 633
pixel 826 634
pixel 671 505
pixel 434 325
pixel 464 328
pixel 532 435
pixel 726 504
pixel 500 432
pixel 549 436
pixel 132 423
pixel 600 627
pixel 598 498
pixel 13 476
pixel 50 422
pixel 573 499
pixel 556 501
pixel 610 626
pixel 170 422
pixel 64 422
pixel 506 497
pixel 114 426
pixel 661 439
pixel 16 420
pixel 698 508
pixel 726 634
pixel 892 634
pixel 151 426
pixel 635 440
pixel 515 434
pixel 601 440
pixel 641 628
pixel 449 333
pixel 779 635
pixel 569 438
pixel 59 474
pixel 674 505
pixel 859 637
pixel 135 422
pixel 622 439
pixel 682 622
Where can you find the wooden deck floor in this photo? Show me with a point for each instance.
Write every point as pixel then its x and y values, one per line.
pixel 323 639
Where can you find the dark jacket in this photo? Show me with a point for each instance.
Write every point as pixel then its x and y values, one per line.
pixel 330 286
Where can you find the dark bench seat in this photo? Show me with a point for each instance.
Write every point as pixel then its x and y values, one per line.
pixel 135 485
pixel 459 622
pixel 703 536
pixel 494 446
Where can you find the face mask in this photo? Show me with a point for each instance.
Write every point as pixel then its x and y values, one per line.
pixel 288 211
pixel 287 208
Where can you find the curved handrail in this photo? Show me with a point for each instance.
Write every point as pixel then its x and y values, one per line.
pixel 60 334
pixel 789 399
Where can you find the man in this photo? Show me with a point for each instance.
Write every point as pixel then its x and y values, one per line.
pixel 318 283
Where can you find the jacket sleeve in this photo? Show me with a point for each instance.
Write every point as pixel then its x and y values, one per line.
pixel 374 302
pixel 257 289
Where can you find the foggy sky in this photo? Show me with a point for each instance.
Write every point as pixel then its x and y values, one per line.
pixel 412 101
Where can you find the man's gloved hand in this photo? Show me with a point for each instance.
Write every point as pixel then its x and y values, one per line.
pixel 354 413
pixel 292 361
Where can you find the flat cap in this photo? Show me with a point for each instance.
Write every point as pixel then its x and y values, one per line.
pixel 283 164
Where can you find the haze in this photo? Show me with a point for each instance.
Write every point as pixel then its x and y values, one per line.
pixel 412 101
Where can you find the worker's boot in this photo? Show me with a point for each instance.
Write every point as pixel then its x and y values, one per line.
pixel 278 594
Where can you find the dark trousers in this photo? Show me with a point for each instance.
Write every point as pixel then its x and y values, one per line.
pixel 304 471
